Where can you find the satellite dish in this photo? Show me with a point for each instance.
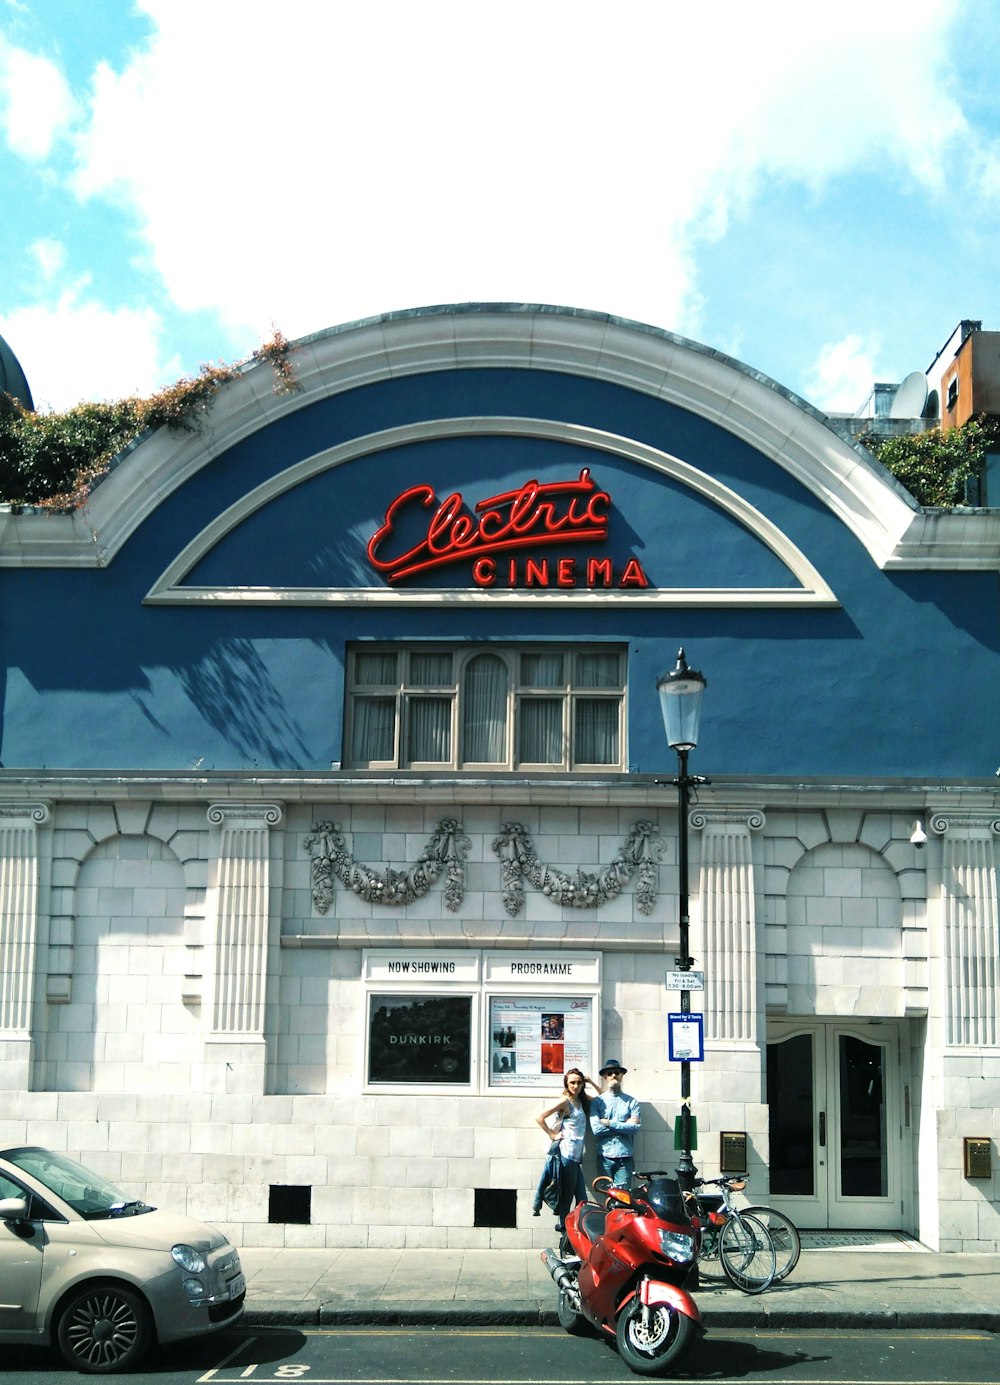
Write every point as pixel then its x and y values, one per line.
pixel 910 398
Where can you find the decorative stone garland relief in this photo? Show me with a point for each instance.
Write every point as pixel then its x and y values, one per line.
pixel 638 854
pixel 445 852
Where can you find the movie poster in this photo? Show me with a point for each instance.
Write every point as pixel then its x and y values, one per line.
pixel 415 1038
pixel 533 1041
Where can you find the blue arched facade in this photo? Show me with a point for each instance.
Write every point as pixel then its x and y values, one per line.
pixel 532 481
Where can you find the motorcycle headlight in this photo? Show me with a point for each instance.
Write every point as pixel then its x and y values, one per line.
pixel 677 1247
pixel 189 1259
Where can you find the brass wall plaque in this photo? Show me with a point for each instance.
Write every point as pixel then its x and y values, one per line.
pixel 978 1158
pixel 733 1151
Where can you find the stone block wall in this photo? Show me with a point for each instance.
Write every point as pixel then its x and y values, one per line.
pixel 186 1018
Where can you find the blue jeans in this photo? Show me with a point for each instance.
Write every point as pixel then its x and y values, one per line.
pixel 620 1171
pixel 574 1189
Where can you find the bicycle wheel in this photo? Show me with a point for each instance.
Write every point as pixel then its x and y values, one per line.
pixel 787 1244
pixel 708 1254
pixel 747 1253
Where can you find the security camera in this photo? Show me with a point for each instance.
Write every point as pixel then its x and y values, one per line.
pixel 918 836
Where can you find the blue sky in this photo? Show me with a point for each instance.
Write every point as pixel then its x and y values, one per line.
pixel 814 190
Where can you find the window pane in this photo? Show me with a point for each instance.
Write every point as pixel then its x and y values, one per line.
pixel 541 738
pixel 430 670
pixel 596 731
pixel 863 1161
pixel 597 670
pixel 375 670
pixel 430 729
pixel 374 728
pixel 484 711
pixel 790 1096
pixel 542 670
pixel 420 1039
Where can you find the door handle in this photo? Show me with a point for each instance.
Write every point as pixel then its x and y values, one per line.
pixel 822 1129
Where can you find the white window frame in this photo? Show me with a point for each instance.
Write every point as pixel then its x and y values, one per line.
pixel 485 977
pixel 569 693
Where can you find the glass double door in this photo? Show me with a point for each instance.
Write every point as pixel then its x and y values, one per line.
pixel 833 1092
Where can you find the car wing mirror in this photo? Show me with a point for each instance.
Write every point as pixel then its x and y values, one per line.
pixel 14 1209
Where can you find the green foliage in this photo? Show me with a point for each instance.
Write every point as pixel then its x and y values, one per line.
pixel 54 460
pixel 934 466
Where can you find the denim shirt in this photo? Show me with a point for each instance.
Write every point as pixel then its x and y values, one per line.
pixel 615 1141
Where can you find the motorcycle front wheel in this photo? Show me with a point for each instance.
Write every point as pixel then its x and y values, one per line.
pixel 653 1341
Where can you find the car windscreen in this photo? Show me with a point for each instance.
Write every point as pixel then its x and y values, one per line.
pixel 88 1193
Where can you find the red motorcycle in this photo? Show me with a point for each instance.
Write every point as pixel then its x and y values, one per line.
pixel 622 1267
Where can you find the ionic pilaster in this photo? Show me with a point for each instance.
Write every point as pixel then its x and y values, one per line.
pixel 242 916
pixel 19 823
pixel 971 927
pixel 728 922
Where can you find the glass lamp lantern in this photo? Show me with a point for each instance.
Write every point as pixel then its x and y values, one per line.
pixel 680 702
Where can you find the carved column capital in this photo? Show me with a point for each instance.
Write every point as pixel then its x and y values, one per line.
pixel 752 819
pixel 965 824
pixel 244 814
pixel 36 813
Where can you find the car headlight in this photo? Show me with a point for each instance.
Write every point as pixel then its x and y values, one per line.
pixel 189 1259
pixel 194 1288
pixel 677 1247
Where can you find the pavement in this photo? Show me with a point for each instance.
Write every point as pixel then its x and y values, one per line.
pixel 889 1283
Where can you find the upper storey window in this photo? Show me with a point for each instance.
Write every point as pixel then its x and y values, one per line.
pixel 485 707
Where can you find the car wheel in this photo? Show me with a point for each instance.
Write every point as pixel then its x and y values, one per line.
pixel 104 1328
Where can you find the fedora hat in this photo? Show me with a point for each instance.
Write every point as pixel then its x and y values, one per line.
pixel 611 1065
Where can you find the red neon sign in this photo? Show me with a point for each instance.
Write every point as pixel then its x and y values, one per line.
pixel 535 514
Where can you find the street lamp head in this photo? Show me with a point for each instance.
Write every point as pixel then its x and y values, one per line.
pixel 680 702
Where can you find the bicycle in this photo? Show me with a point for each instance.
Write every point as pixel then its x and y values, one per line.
pixel 738 1240
pixel 782 1231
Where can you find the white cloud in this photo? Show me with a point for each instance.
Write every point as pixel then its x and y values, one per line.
pixel 842 377
pixel 357 159
pixel 49 256
pixel 36 105
pixel 353 160
pixel 83 350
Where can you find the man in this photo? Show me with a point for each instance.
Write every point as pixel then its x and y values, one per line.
pixel 614 1119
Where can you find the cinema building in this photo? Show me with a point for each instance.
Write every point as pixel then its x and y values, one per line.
pixel 337 816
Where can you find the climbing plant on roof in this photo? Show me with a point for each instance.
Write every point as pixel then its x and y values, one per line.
pixel 53 460
pixel 935 465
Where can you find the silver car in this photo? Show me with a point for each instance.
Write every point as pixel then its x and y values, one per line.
pixel 98 1275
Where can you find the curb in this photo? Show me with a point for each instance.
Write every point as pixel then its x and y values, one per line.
pixel 410 1314
pixel 527 1314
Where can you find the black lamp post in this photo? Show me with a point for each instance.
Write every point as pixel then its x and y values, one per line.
pixel 680 701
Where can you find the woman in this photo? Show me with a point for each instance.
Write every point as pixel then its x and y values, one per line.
pixel 572 1113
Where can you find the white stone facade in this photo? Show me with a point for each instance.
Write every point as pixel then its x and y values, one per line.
pixel 175 1009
